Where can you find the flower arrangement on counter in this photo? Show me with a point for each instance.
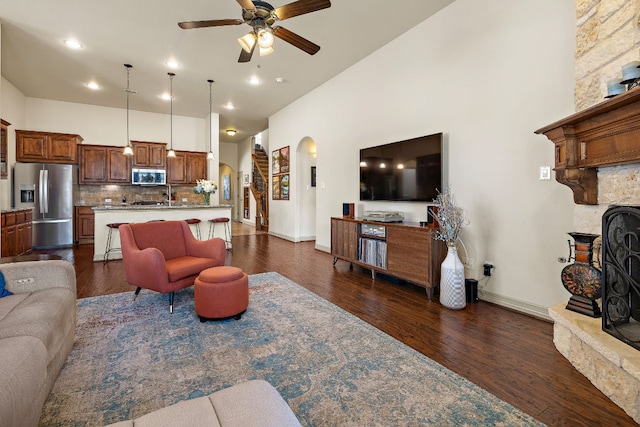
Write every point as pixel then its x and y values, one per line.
pixel 206 188
pixel 450 218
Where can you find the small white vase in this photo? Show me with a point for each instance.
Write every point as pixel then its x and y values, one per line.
pixel 452 292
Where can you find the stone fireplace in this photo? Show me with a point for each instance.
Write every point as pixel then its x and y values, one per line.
pixel 589 145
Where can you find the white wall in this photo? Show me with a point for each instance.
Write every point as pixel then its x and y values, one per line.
pixel 107 126
pixel 13 108
pixel 487 74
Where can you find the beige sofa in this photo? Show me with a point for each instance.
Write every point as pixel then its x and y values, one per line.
pixel 250 404
pixel 37 327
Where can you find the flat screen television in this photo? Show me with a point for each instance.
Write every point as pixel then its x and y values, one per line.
pixel 408 170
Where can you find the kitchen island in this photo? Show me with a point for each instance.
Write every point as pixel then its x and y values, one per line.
pixel 108 214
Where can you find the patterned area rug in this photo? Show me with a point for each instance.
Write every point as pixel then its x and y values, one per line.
pixel 132 357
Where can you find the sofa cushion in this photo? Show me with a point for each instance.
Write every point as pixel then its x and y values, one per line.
pixel 252 403
pixel 9 303
pixel 170 241
pixel 193 413
pixel 44 314
pixel 187 266
pixel 23 363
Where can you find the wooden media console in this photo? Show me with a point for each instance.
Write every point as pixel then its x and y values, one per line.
pixel 403 250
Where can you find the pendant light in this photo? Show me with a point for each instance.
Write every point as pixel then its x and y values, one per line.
pixel 171 152
pixel 128 150
pixel 210 153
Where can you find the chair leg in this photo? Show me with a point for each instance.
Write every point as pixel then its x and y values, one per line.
pixel 227 235
pixel 107 248
pixel 138 289
pixel 171 302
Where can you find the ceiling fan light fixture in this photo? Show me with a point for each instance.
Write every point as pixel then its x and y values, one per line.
pixel 265 38
pixel 267 51
pixel 247 42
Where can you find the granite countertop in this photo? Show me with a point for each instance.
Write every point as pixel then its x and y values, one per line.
pixel 15 210
pixel 120 206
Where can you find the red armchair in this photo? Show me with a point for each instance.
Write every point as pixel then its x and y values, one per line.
pixel 163 256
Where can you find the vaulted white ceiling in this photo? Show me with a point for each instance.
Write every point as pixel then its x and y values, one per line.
pixel 145 33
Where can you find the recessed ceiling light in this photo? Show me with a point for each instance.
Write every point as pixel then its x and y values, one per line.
pixel 166 97
pixel 229 106
pixel 172 64
pixel 254 80
pixel 73 44
pixel 93 85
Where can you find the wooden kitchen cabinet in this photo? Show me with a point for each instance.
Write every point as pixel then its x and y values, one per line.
pixel 103 164
pixel 196 166
pixel 177 169
pixel 149 154
pixel 187 167
pixel 84 228
pixel 4 149
pixel 17 232
pixel 33 146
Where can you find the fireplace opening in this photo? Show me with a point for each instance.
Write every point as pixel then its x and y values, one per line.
pixel 621 273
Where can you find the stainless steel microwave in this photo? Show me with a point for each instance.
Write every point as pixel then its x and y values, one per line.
pixel 148 177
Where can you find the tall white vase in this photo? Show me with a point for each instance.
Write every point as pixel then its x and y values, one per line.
pixel 452 292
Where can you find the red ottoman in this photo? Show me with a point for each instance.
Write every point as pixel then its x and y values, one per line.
pixel 220 293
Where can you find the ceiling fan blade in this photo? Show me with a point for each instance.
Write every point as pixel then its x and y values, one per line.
pixel 212 23
pixel 246 4
pixel 300 7
pixel 246 56
pixel 296 40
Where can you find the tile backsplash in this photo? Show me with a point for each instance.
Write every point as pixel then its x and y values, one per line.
pixel 96 194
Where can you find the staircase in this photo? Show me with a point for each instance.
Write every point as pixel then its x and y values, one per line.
pixel 260 187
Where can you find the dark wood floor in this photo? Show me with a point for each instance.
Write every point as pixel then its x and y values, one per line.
pixel 508 354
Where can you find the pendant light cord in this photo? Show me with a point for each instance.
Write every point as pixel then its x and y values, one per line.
pixel 210 154
pixel 128 93
pixel 171 105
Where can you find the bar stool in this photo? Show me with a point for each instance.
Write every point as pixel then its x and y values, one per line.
pixel 112 226
pixel 195 221
pixel 227 230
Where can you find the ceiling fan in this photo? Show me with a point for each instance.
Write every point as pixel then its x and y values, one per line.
pixel 261 16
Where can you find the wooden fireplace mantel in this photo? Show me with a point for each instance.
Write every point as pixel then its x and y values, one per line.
pixel 606 134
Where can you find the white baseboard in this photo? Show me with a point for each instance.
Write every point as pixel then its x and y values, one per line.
pixel 283 236
pixel 535 310
pixel 514 304
pixel 323 248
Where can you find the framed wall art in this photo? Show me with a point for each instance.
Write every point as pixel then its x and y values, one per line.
pixel 280 174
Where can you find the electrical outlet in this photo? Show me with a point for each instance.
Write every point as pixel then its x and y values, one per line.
pixel 487 266
pixel 184 199
pixel 107 200
pixel 469 262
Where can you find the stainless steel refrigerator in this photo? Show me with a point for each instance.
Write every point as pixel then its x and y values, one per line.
pixel 50 190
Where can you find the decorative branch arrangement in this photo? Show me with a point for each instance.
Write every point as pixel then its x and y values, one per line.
pixel 450 217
